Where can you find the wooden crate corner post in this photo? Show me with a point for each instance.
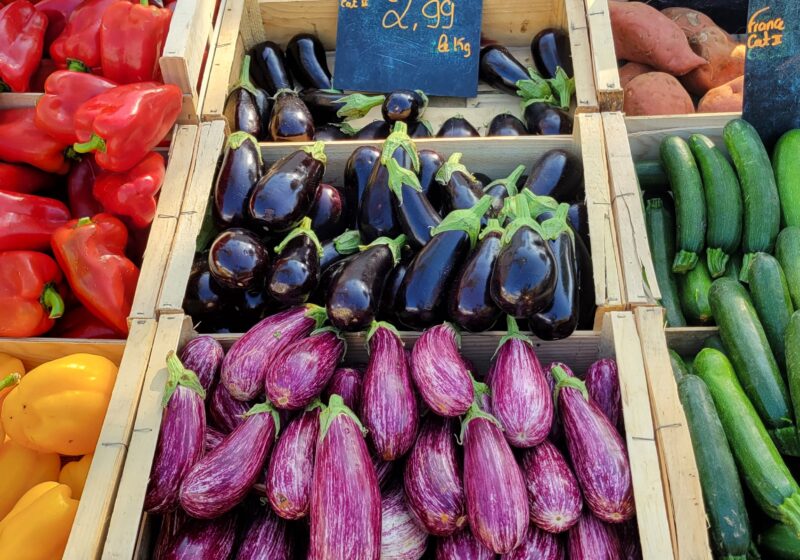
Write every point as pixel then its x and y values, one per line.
pixel 610 95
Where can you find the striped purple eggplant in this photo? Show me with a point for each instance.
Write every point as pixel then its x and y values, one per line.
pixel 384 470
pixel 592 539
pixel 200 538
pixel 221 479
pixel 432 478
pixel 181 442
pixel 441 376
pixel 213 439
pixel 598 453
pixel 225 411
pixel 538 545
pixel 345 499
pixel 462 546
pixel 520 397
pixel 171 523
pixel 602 384
pixel 302 370
pixel 556 430
pixel 267 536
pixel 628 533
pixel 291 465
pixel 245 366
pixel 388 403
pixel 497 501
pixel 554 497
pixel 203 355
pixel 346 382
pixel 402 538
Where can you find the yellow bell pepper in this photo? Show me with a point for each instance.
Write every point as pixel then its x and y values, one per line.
pixel 74 474
pixel 20 470
pixel 11 370
pixel 39 525
pixel 59 406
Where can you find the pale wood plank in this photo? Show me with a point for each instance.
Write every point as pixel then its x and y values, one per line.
pixel 604 59
pixel 580 47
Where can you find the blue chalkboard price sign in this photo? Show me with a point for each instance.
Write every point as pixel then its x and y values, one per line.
pixel 432 45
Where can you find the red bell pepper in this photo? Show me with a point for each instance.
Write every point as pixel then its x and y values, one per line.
pixel 132 195
pixel 21 42
pixel 78 46
pixel 28 221
pixel 132 37
pixel 21 141
pixel 80 184
pixel 57 12
pixel 123 124
pixel 24 178
pixel 64 92
pixel 29 293
pixel 91 252
pixel 78 322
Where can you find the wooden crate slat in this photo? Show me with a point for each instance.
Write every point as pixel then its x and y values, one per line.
pixel 580 47
pixel 186 44
pixel 604 59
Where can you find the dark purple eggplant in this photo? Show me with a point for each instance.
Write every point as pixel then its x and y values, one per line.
pixel 470 304
pixel 291 465
pixel 253 305
pixel 557 174
pixel 457 127
pixel 286 192
pixel 329 133
pixel 291 121
pixel 346 382
pixel 249 106
pixel 392 286
pixel 222 479
pixel 506 124
pixel 376 217
pixel 421 299
pixel 554 497
pixel 591 538
pixel 203 355
pixel 213 439
pixel 267 536
pixel 245 365
pixel 327 278
pixel 483 178
pixel 521 399
pixel 430 162
pixel 354 294
pixel 332 106
pixel 205 299
pixel 328 212
pixel 241 170
pixel 269 68
pixel 538 545
pixel 501 189
pixel 598 453
pixel 432 478
pixel 306 57
pixel 497 501
pixel 237 260
pixel 357 171
pixel 416 215
pixel 460 189
pixel 376 130
pixel 578 218
pixel 543 118
pixel 404 105
pixel 462 546
pixel 551 50
pixel 586 297
pixel 336 249
pixel 198 538
pixel 420 129
pixel 226 412
pixel 629 541
pixel 181 440
pixel 171 523
pixel 500 69
pixel 401 537
pixel 388 403
pixel 345 497
pixel 602 384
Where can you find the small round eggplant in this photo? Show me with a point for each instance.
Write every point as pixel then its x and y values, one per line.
pixel 404 105
pixel 330 106
pixel 328 212
pixel 500 69
pixel 557 174
pixel 503 188
pixel 286 192
pixel 237 260
pixel 550 50
pixel 460 189
pixel 306 57
pixel 249 106
pixel 457 127
pixel 542 118
pixel 204 297
pixel 578 218
pixel 376 130
pixel 269 71
pixel 357 171
pixel 241 169
pixel 291 121
pixel 295 272
pixel 376 216
pixel 506 124
pixel 420 129
pixel 329 133
pixel 430 162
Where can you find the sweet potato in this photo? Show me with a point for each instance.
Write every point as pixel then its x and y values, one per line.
pixel 656 93
pixel 643 34
pixel 726 98
pixel 630 70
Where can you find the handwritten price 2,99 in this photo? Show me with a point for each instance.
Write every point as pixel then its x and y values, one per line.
pixel 440 14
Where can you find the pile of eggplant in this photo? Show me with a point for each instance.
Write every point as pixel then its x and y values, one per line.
pixel 265 104
pixel 274 450
pixel 411 237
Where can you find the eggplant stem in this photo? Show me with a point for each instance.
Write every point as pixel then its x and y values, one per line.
pixel 399 138
pixel 509 182
pixel 512 333
pixel 317 313
pixel 236 140
pixel 244 82
pixel 565 380
pixel 179 376
pixel 357 105
pixel 304 228
pixel 555 226
pixel 452 165
pixel 474 413
pixel 399 176
pixel 563 86
pixel 316 403
pixel 375 325
pixel 493 226
pixel 394 245
pixel 348 242
pixel 336 407
pixel 538 204
pixel 261 408
pixel 317 151
pixel 466 219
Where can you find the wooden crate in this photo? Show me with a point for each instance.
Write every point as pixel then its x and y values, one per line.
pixel 512 23
pixel 131 533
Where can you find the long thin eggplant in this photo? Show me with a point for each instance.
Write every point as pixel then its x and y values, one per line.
pixel 291 465
pixel 389 404
pixel 586 297
pixel 267 536
pixel 598 453
pixel 181 439
pixel 506 124
pixel 578 217
pixel 376 130
pixel 226 412
pixel 346 382
pixel 329 215
pixel 554 497
pixel 237 260
pixel 171 524
pixel 538 545
pixel 303 369
pixel 306 57
pixel 286 192
pixel 543 118
pixel 357 171
pixel 430 161
pixel 521 400
pixel 295 273
pixel 500 69
pixel 242 167
pixel 213 439
pixel 392 286
pixel 432 478
pixel 404 105
pixel 462 546
pixel 401 537
pixel 269 71
pixel 558 174
pixel 501 189
pixel 221 479
pixel 333 106
pixel 199 538
pixel 250 106
pixel 460 189
pixel 291 121
pixel 203 355
pixel 602 384
pixel 345 497
pixel 550 51
pixel 591 538
pixel 457 127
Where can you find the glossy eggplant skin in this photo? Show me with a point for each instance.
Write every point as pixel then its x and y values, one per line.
pixel 241 170
pixel 558 174
pixel 578 219
pixel 205 298
pixel 376 130
pixel 460 192
pixel 404 105
pixel 416 216
pixel 545 119
pixel 376 217
pixel 306 58
pixel 419 129
pixel 323 105
pixel 500 69
pixel 506 124
pixel 269 68
pixel 470 304
pixel 329 133
pixel 291 121
pixel 247 116
pixel 237 260
pixel 295 272
pixel 252 306
pixel 429 163
pixel 328 212
pixel 550 49
pixel 392 286
pixel 586 297
pixel 357 171
pixel 561 318
pixel 457 127
pixel 326 278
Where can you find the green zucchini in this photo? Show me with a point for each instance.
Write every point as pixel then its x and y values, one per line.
pixel 723 203
pixel 729 527
pixel 762 208
pixel 734 268
pixel 679 367
pixel 770 296
pixel 760 465
pixel 786 164
pixel 661 236
pixel 793 359
pixel 779 543
pixel 787 251
pixel 690 204
pixel 715 342
pixel 651 176
pixel 694 286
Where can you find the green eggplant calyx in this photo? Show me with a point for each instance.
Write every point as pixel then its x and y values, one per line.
pixel 717 261
pixel 452 165
pixel 375 325
pixel 493 226
pixel 527 102
pixel 536 88
pixel 555 226
pixel 336 407
pixel 518 224
pixel 538 204
pixel 399 139
pixel 399 176
pixel 317 313
pixel 51 300
pixel 427 124
pixel 512 333
pixel 394 245
pixel 266 407
pixel 357 105
pixel 509 182
pixel 236 140
pixel 348 242
pixel 304 228
pixel 317 151
pixel 180 376
pixel 330 329
pixel 564 380
pixel 467 220
pixel 244 82
pixel 474 413
pixel 347 129
pixel 315 404
pixel 563 86
pixel 284 91
pixel 424 101
pixel 687 260
pixel 94 144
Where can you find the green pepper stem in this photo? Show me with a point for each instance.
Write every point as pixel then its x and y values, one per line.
pixel 94 144
pixel 10 380
pixel 74 65
pixel 51 301
pixel 85 221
